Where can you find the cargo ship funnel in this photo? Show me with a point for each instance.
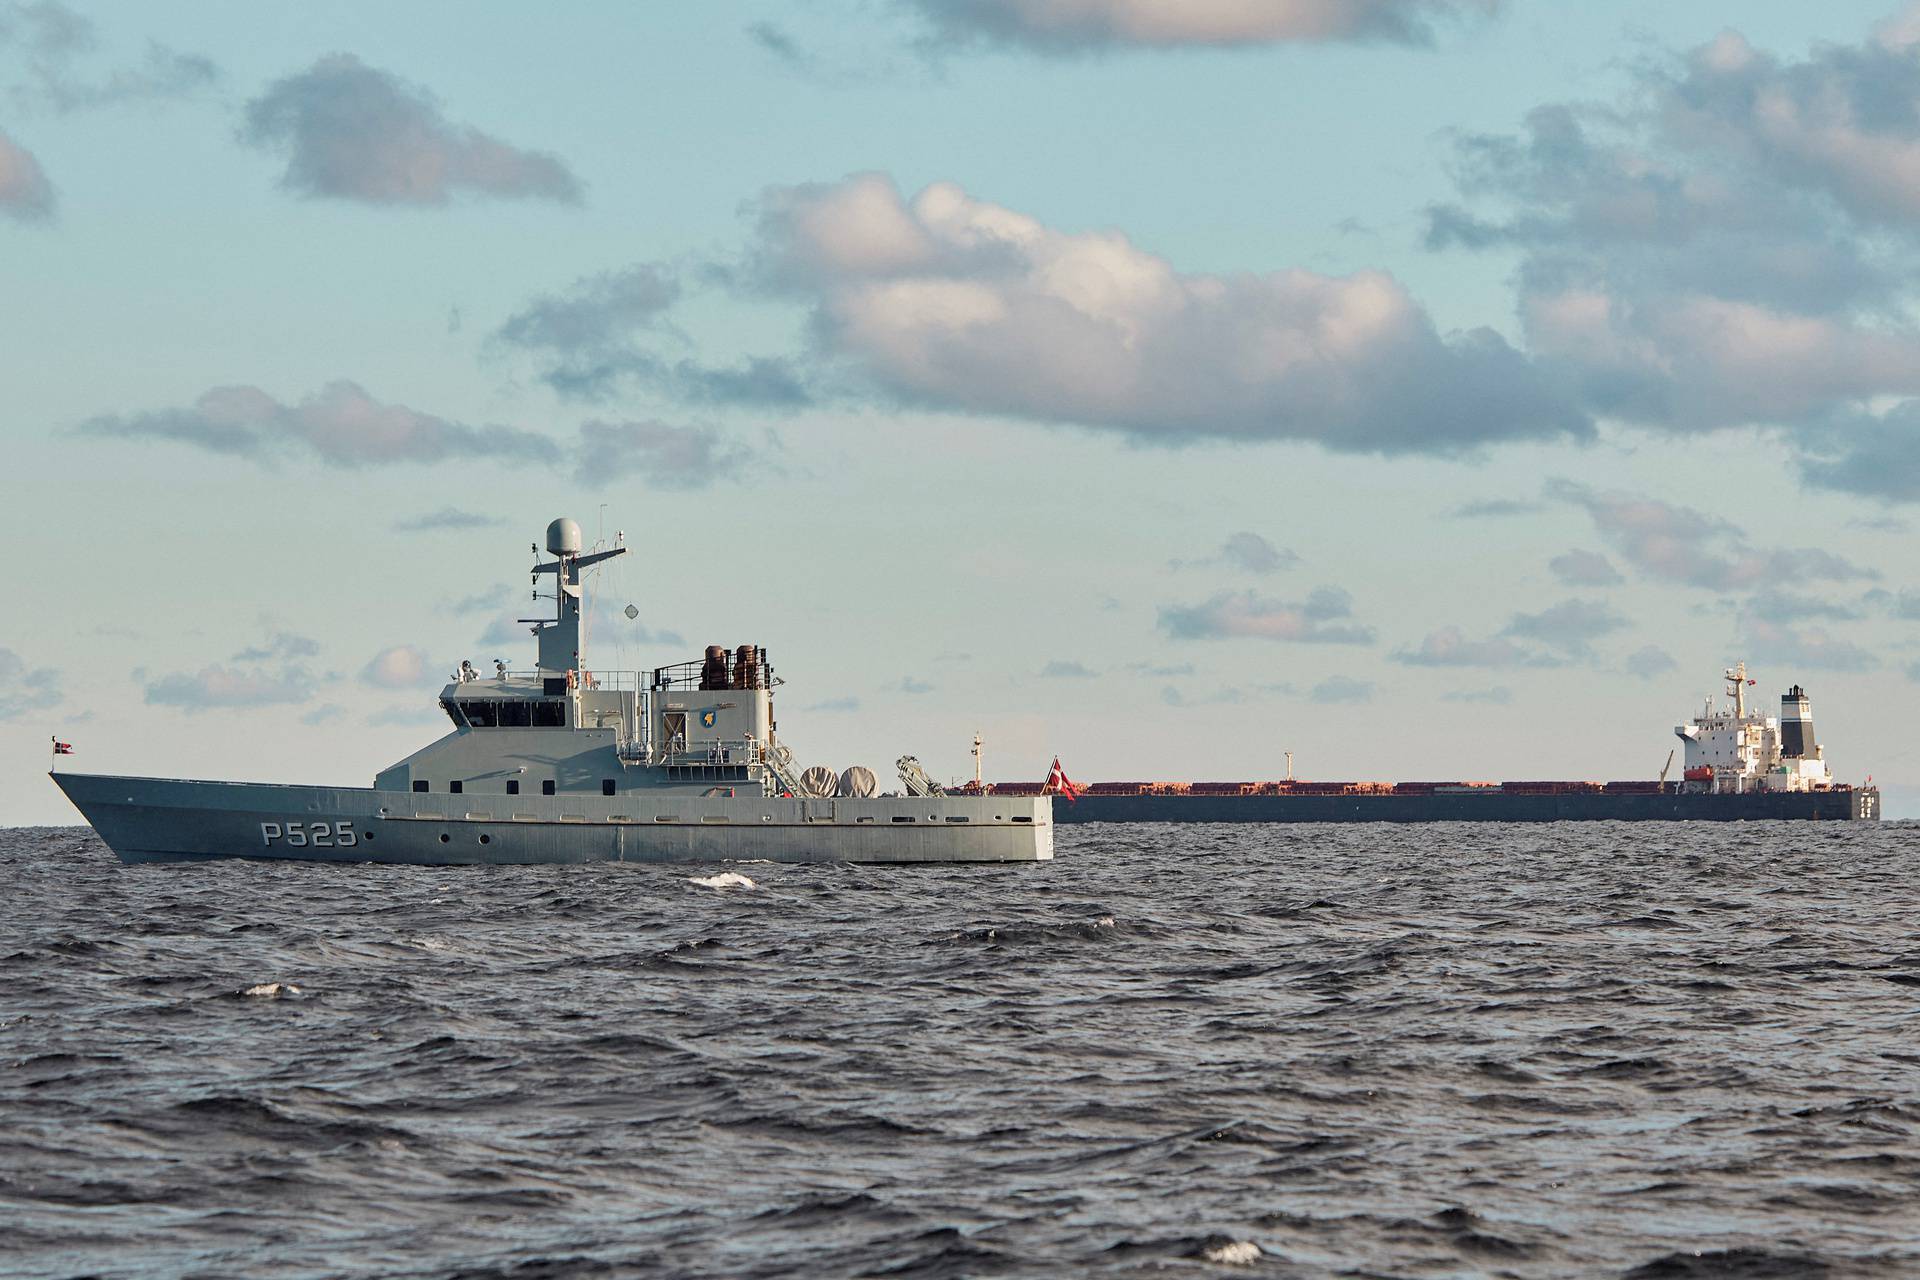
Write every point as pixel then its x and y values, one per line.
pixel 1796 726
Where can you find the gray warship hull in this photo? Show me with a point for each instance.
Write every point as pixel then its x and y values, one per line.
pixel 168 820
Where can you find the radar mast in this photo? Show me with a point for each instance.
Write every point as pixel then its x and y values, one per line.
pixel 560 635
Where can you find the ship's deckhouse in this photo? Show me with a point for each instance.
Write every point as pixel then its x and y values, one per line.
pixel 703 727
pixel 1732 750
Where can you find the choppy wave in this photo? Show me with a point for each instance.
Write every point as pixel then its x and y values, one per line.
pixel 1592 1050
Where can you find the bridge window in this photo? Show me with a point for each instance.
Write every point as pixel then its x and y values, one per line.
pixel 479 714
pixel 549 715
pixel 515 715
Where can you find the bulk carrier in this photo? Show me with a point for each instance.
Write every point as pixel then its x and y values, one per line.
pixel 1739 765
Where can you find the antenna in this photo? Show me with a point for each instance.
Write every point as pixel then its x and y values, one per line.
pixel 1737 682
pixel 560 638
pixel 978 742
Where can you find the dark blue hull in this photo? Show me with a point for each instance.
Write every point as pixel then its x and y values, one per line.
pixel 1858 805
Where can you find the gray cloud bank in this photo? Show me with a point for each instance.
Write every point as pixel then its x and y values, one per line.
pixel 1737 242
pixel 447 518
pixel 1247 552
pixel 1550 638
pixel 1323 618
pixel 52 41
pixel 24 689
pixel 354 132
pixel 25 193
pixel 599 336
pixel 1683 545
pixel 344 426
pixel 1081 26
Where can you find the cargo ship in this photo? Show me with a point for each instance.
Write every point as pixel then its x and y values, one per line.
pixel 1740 765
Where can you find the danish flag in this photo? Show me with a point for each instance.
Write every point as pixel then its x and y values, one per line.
pixel 1059 784
pixel 62 748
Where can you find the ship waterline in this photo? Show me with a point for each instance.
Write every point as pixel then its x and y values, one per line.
pixel 169 820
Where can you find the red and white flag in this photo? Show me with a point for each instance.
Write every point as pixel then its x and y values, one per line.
pixel 1059 784
pixel 62 748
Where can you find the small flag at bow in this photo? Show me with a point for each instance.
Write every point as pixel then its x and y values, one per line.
pixel 1059 784
pixel 62 748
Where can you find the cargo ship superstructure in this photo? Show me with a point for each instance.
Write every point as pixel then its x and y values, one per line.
pixel 567 764
pixel 1739 765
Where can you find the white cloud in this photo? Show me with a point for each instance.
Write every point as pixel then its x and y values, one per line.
pixel 25 193
pixel 1069 26
pixel 401 666
pixel 956 303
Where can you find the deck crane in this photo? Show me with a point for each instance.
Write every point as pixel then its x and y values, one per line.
pixel 915 779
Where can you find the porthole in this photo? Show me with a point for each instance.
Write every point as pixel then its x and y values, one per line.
pixel 486 839
pixel 444 837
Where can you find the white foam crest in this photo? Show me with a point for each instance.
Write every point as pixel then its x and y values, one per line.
pixel 1234 1253
pixel 272 990
pixel 724 880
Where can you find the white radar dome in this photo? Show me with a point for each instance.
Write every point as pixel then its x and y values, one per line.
pixel 563 537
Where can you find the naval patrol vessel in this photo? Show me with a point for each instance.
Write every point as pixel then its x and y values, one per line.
pixel 567 764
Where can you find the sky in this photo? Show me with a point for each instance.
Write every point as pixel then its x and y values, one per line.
pixel 1434 389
